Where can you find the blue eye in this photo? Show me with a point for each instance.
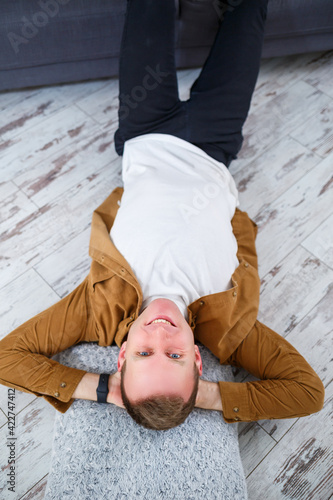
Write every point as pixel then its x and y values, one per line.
pixel 143 353
pixel 175 356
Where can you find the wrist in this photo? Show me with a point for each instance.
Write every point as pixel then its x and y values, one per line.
pixel 109 399
pixel 209 397
pixel 114 395
pixel 86 388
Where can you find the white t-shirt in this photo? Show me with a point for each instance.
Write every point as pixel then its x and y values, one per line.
pixel 173 225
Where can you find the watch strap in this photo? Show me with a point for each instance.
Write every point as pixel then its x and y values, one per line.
pixel 103 388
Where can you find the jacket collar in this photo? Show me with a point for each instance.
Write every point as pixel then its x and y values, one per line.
pixel 233 311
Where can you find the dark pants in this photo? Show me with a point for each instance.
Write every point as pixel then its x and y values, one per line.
pixel 213 117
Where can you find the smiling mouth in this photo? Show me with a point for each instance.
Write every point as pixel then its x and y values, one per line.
pixel 161 320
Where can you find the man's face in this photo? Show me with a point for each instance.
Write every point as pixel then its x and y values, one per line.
pixel 159 354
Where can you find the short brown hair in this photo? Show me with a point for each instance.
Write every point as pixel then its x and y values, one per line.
pixel 160 412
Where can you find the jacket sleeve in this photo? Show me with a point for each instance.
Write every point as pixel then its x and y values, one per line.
pixel 25 354
pixel 288 388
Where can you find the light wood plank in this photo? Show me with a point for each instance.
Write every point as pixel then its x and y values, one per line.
pixel 28 110
pixel 299 467
pixel 277 118
pixel 7 189
pixel 321 78
pixel 301 101
pixel 15 207
pixel 66 168
pixel 3 415
pixel 277 74
pixel 26 150
pixel 22 399
pixel 277 428
pixel 31 293
pixel 34 427
pixel 293 216
pixel 8 99
pixel 31 107
pixel 320 242
pixel 38 491
pixel 69 93
pixel 64 269
pixel 254 445
pixel 292 289
pixel 103 104
pixel 262 181
pixel 317 132
pixel 34 238
pixel 312 337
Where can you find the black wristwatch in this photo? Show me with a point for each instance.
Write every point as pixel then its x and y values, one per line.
pixel 103 388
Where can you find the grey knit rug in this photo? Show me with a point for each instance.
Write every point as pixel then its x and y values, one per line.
pixel 100 453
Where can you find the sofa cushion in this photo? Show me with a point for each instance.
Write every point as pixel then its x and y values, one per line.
pixel 298 26
pixel 59 31
pixel 54 41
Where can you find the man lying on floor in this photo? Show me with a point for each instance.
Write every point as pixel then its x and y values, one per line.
pixel 174 258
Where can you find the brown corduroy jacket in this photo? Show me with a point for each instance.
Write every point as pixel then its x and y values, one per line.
pixel 103 307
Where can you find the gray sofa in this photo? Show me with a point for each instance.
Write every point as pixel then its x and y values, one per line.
pixel 54 41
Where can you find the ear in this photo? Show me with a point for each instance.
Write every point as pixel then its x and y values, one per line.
pixel 122 356
pixel 198 360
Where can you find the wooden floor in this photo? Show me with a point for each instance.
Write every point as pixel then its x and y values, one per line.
pixel 57 163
